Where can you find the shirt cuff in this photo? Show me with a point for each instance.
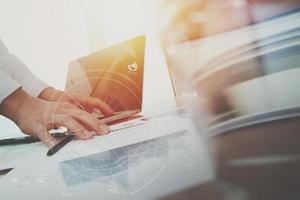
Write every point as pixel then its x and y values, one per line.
pixel 8 86
pixel 30 83
pixel 37 87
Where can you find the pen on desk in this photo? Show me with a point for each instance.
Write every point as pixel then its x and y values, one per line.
pixel 5 171
pixel 20 140
pixel 60 145
pixel 27 139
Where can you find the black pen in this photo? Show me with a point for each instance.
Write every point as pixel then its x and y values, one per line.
pixel 5 171
pixel 60 145
pixel 28 139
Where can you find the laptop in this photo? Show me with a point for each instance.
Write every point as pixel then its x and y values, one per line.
pixel 114 75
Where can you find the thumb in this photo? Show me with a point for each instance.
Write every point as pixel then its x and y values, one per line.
pixel 44 136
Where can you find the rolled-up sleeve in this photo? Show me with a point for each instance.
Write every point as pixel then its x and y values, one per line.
pixel 7 85
pixel 18 71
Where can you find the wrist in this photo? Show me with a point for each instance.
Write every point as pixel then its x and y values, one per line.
pixel 11 106
pixel 48 94
pixel 51 94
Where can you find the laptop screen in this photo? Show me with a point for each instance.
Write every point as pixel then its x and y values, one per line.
pixel 114 75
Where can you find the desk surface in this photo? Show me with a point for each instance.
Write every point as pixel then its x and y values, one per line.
pixel 257 162
pixel 145 170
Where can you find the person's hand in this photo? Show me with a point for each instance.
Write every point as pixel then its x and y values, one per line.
pixel 35 117
pixel 86 103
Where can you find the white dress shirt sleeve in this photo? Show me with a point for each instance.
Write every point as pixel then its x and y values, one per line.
pixel 7 86
pixel 18 71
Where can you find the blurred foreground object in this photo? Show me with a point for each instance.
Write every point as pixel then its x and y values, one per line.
pixel 259 162
pixel 235 65
pixel 241 66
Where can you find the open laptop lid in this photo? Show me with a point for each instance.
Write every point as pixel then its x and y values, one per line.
pixel 114 75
